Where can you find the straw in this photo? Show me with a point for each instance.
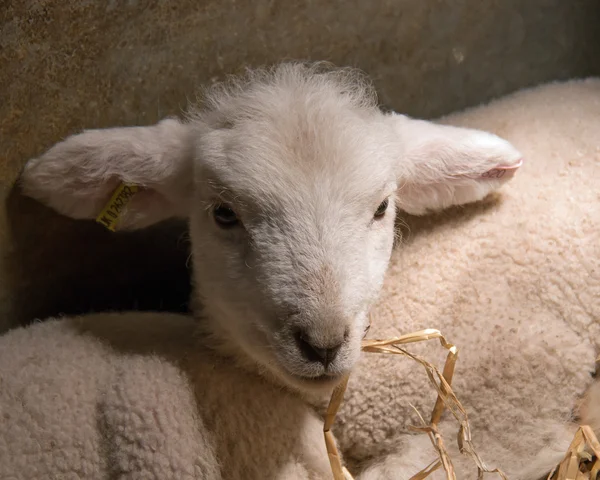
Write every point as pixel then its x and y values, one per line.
pixel 446 399
pixel 581 462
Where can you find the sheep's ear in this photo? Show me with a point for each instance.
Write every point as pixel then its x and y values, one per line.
pixel 79 176
pixel 440 166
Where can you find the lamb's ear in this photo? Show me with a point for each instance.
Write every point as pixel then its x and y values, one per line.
pixel 440 166
pixel 78 176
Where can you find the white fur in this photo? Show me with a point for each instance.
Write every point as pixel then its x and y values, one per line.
pixel 304 157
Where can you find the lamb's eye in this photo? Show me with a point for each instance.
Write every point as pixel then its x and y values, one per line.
pixel 224 215
pixel 380 212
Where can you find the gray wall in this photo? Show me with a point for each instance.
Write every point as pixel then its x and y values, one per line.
pixel 69 64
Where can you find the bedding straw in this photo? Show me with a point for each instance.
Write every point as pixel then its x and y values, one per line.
pixel 582 461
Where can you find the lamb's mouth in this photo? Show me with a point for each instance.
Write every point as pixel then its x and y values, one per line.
pixel 321 380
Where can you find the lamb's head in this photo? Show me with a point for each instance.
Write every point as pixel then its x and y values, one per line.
pixel 290 179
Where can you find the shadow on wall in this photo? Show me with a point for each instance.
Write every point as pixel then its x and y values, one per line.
pixel 55 265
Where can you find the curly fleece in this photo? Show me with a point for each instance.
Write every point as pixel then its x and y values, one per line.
pixel 515 284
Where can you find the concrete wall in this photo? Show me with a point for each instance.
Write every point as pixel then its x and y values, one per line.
pixel 69 64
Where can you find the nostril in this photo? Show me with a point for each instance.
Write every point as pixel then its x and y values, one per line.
pixel 313 353
pixel 331 354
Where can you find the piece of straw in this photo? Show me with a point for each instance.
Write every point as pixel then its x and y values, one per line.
pixel 582 460
pixel 332 451
pixel 446 398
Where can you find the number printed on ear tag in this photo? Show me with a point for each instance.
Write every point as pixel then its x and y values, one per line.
pixel 109 216
pixel 502 173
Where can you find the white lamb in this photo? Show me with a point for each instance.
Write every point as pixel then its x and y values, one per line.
pixel 290 178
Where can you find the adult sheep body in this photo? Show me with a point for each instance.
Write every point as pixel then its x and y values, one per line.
pixel 290 179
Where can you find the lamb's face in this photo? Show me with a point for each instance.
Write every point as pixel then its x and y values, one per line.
pixel 292 231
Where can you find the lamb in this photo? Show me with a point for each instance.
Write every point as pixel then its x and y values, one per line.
pixel 290 179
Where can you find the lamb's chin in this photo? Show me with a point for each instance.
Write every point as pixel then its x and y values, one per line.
pixel 312 387
pixel 309 386
pixel 322 384
pixel 256 360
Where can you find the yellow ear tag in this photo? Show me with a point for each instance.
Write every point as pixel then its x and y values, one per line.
pixel 109 216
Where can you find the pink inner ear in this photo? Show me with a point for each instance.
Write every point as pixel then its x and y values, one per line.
pixel 503 172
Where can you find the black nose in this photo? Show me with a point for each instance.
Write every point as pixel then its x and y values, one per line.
pixel 312 353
